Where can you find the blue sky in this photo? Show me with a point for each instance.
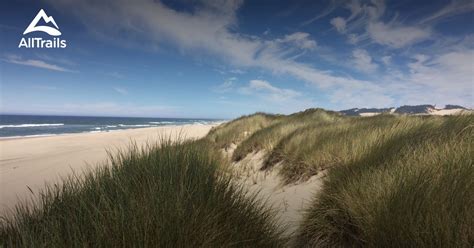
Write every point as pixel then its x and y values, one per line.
pixel 222 59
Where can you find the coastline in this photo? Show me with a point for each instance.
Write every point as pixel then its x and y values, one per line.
pixel 28 163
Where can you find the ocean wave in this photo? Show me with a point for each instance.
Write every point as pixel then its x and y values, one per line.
pixel 28 136
pixel 204 122
pixel 162 122
pixel 32 125
pixel 138 125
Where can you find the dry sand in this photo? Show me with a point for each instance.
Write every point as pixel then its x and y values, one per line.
pixel 289 201
pixel 32 162
pixel 451 112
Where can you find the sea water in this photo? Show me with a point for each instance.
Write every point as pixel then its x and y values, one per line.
pixel 41 125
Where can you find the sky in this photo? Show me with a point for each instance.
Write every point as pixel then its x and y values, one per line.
pixel 223 59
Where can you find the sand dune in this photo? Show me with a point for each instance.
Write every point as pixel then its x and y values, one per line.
pixel 289 201
pixel 32 162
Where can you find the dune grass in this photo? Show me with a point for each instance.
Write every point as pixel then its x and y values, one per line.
pixel 268 137
pixel 317 146
pixel 237 130
pixel 392 181
pixel 413 187
pixel 168 195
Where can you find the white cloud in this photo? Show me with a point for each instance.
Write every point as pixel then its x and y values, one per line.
pixel 115 75
pixel 367 16
pixel 339 23
pixel 452 71
pixel 237 71
pixel 353 38
pixel 363 61
pixel 328 10
pixel 455 7
pixel 226 86
pixel 212 28
pixel 355 8
pixel 387 60
pixel 396 36
pixel 205 29
pixel 13 59
pixel 439 79
pixel 269 91
pixel 349 98
pixel 120 90
pixel 300 39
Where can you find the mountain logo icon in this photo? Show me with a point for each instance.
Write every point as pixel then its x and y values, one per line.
pixel 47 29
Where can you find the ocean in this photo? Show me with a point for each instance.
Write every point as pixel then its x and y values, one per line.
pixel 41 125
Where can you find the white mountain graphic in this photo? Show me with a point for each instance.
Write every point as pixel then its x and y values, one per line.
pixel 49 30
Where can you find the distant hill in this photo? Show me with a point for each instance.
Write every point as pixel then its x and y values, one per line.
pixel 362 111
pixel 454 107
pixel 424 109
pixel 415 109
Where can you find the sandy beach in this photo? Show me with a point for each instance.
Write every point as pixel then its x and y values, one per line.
pixel 31 162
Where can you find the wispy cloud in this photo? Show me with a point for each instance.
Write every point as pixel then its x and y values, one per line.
pixel 398 35
pixel 120 90
pixel 212 28
pixel 363 61
pixel 368 16
pixel 339 24
pixel 13 59
pixel 328 10
pixel 267 90
pixel 227 86
pixel 208 28
pixel 56 59
pixel 300 39
pixel 387 60
pixel 455 7
pixel 115 75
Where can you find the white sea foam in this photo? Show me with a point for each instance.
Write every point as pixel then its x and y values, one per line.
pixel 139 125
pixel 32 125
pixel 161 122
pixel 28 136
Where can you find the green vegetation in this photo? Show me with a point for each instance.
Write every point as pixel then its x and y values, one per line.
pixel 392 181
pixel 267 138
pixel 412 186
pixel 239 129
pixel 167 195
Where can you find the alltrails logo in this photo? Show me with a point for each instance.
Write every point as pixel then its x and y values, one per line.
pixel 38 42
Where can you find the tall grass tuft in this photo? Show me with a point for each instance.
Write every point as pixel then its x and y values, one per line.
pixel 411 187
pixel 267 138
pixel 316 146
pixel 237 130
pixel 168 195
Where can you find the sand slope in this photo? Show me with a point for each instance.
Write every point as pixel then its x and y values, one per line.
pixel 289 201
pixel 32 162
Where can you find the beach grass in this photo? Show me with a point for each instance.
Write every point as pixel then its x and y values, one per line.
pixel 237 130
pixel 391 181
pixel 413 188
pixel 268 137
pixel 171 194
